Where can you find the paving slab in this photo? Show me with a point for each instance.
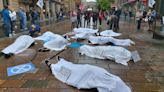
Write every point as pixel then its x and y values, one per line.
pixel 143 76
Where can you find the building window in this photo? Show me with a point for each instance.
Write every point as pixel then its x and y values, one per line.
pixel 5 2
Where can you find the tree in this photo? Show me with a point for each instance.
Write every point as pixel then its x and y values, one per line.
pixel 104 4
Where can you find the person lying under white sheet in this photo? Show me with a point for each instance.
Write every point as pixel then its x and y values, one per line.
pixel 85 76
pixel 85 30
pixel 119 54
pixel 53 41
pixel 83 33
pixel 47 36
pixel 105 40
pixel 109 33
pixel 21 44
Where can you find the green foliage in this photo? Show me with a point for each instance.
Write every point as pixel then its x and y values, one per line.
pixel 104 4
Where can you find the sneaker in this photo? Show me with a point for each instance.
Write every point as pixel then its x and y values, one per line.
pixel 13 33
pixel 10 35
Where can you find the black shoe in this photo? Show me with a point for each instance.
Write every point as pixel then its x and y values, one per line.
pixel 89 41
pixel 43 50
pixel 46 61
pixel 7 56
pixel 65 37
pixel 58 58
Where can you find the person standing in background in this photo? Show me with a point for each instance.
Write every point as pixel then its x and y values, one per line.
pixel 85 18
pixel 73 18
pixel 6 21
pixel 78 18
pixel 23 19
pixel 34 16
pixel 95 18
pixel 139 16
pixel 100 17
pixel 13 17
pixel 130 14
pixel 125 14
pixel 118 13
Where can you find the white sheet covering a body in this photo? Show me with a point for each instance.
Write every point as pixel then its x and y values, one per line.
pixel 109 33
pixel 47 36
pixel 87 76
pixel 85 30
pixel 53 41
pixel 104 40
pixel 83 33
pixel 119 54
pixel 21 44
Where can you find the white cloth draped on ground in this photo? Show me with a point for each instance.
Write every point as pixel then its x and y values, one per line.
pixel 104 40
pixel 47 36
pixel 85 30
pixel 83 33
pixel 21 44
pixel 84 76
pixel 119 54
pixel 109 33
pixel 57 44
pixel 53 41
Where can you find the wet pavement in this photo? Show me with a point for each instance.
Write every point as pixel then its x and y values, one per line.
pixel 146 75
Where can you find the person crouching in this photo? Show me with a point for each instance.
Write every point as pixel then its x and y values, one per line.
pixel 34 30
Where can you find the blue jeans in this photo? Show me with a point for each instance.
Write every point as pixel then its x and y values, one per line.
pixel 23 24
pixel 7 29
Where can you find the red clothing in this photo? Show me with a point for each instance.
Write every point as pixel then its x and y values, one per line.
pixel 100 16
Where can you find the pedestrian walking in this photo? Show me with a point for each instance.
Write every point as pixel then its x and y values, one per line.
pixel 130 14
pixel 139 16
pixel 113 22
pixel 125 14
pixel 78 18
pixel 154 17
pixel 85 18
pixel 6 21
pixel 61 16
pixel 13 17
pixel 73 17
pixel 95 18
pixel 150 20
pixel 23 19
pixel 118 13
pixel 144 14
pixel 100 17
pixel 88 18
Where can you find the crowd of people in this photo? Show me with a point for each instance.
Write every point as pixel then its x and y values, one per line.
pixel 9 18
pixel 88 18
pixel 149 16
pixel 112 17
pixel 95 18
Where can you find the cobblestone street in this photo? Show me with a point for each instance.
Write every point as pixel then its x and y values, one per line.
pixel 146 75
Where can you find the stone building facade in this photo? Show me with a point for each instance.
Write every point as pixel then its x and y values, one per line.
pixel 50 6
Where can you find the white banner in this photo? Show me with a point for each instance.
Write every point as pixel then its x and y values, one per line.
pixel 40 3
pixel 151 3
